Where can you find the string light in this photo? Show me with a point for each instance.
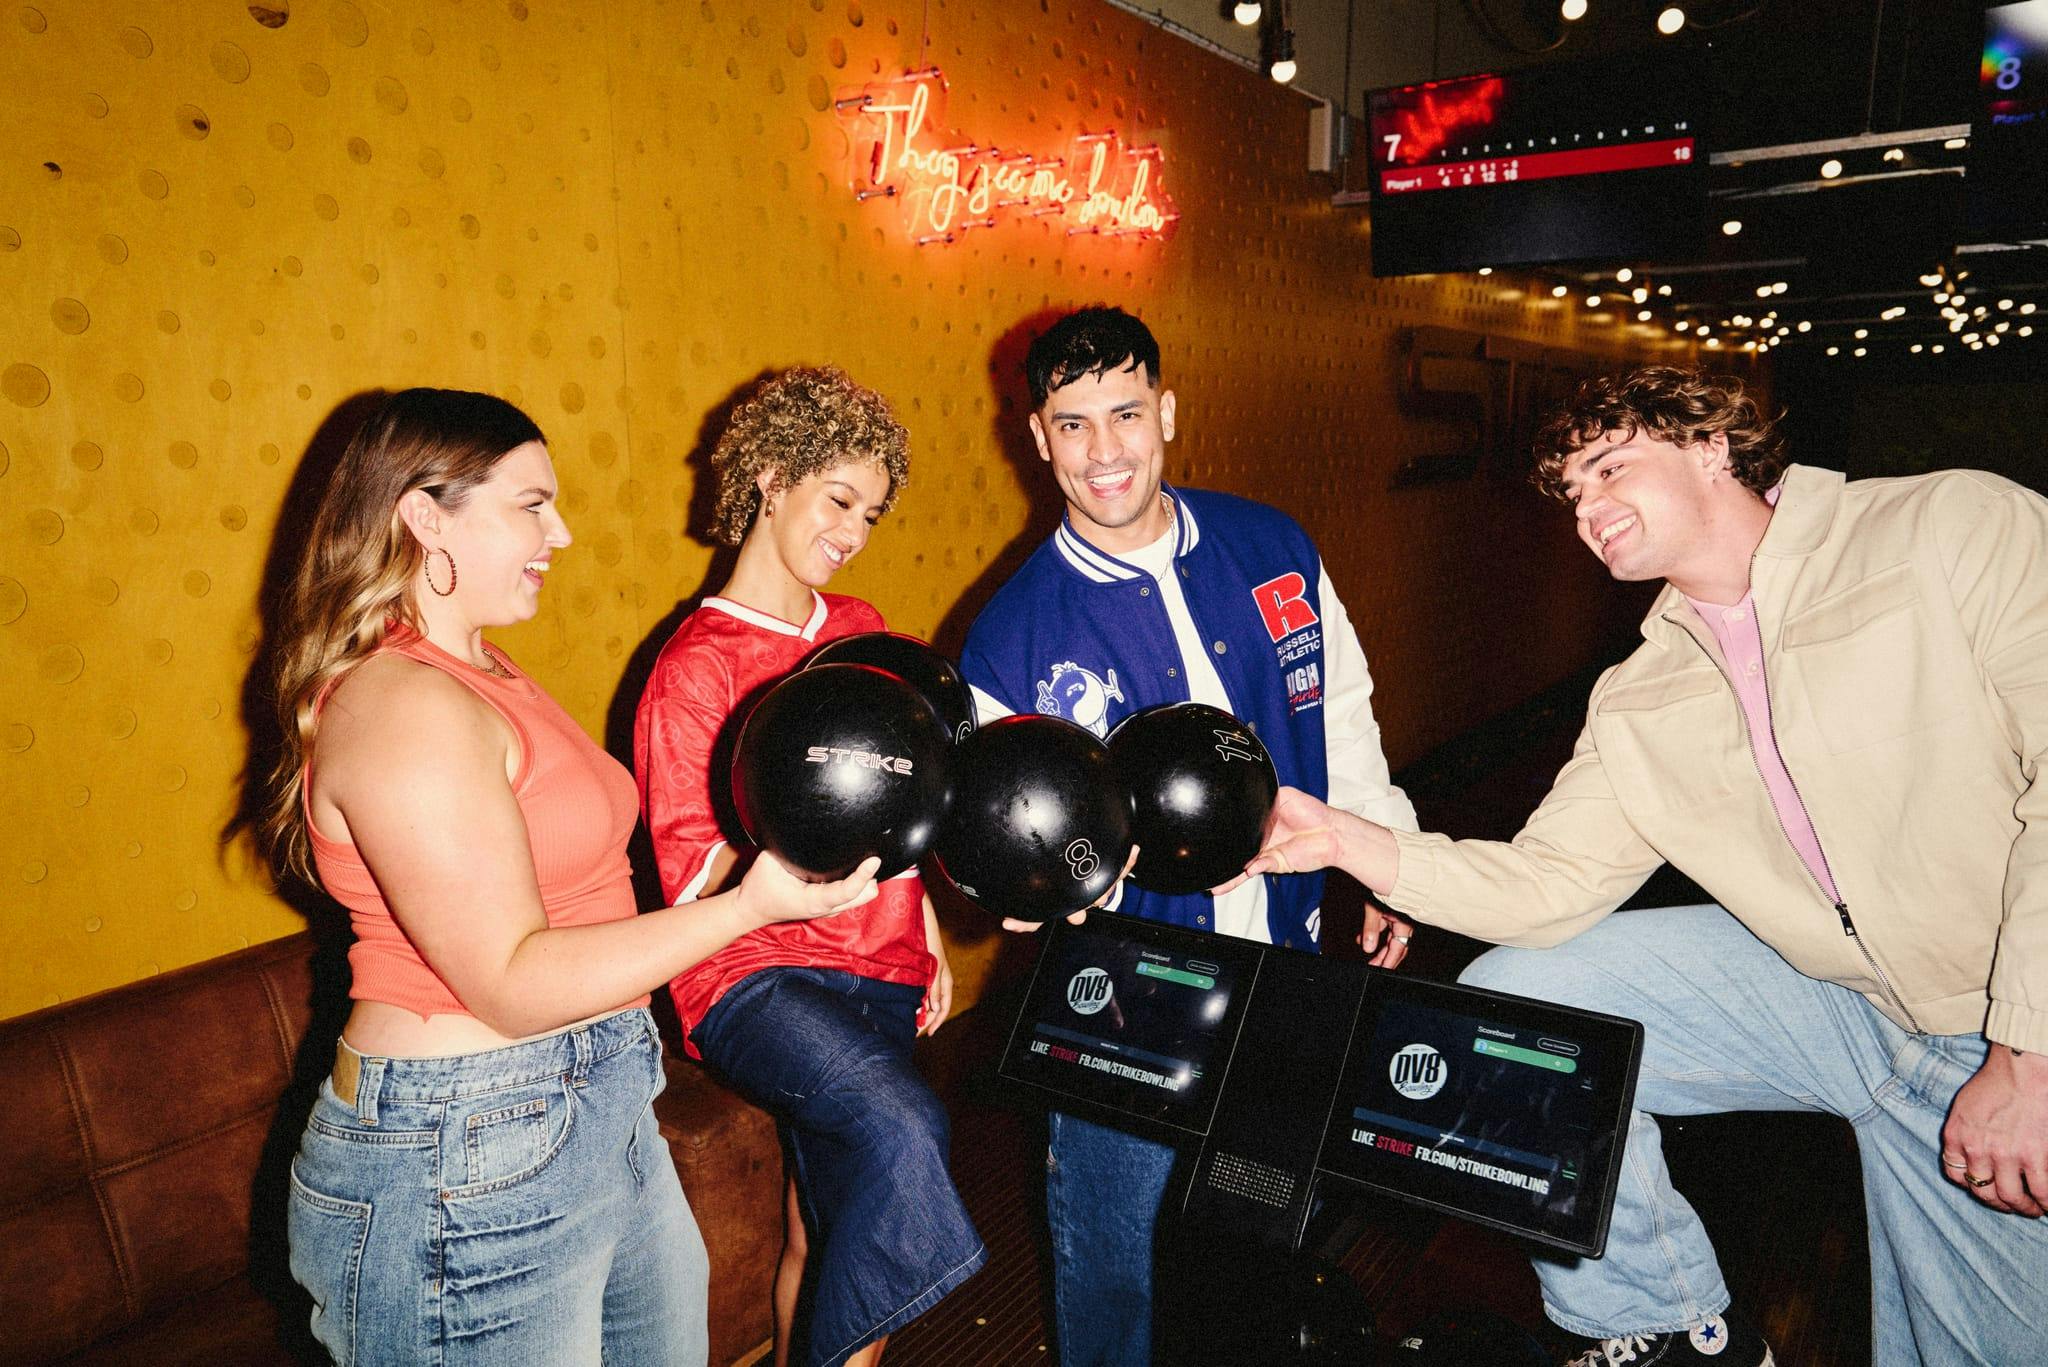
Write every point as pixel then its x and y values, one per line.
pixel 1731 227
pixel 1830 168
pixel 1572 10
pixel 1248 12
pixel 1670 20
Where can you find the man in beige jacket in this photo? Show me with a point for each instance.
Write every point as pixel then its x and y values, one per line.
pixel 1834 725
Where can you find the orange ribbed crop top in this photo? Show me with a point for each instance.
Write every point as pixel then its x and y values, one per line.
pixel 579 804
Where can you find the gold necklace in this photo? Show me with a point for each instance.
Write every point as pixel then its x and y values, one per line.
pixel 491 666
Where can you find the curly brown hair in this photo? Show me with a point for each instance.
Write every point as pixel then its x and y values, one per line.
pixel 800 423
pixel 1683 407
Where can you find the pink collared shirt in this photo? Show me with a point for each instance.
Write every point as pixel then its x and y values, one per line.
pixel 1742 646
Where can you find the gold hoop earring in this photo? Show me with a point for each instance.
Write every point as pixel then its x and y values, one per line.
pixel 428 570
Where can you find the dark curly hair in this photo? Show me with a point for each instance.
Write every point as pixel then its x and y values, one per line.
pixel 801 423
pixel 1683 407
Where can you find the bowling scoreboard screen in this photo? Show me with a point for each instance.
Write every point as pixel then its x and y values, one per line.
pixel 1133 1020
pixel 1504 1111
pixel 1553 163
pixel 2005 190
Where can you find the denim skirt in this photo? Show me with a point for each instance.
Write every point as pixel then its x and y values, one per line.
pixel 512 1206
pixel 829 1053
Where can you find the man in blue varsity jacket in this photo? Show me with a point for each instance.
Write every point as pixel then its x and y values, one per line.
pixel 1150 594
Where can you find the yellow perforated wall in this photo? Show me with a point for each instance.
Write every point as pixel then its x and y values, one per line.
pixel 219 222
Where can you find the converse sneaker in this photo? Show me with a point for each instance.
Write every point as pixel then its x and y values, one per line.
pixel 1722 1342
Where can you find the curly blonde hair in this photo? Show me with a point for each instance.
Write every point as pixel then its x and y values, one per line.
pixel 1683 407
pixel 800 423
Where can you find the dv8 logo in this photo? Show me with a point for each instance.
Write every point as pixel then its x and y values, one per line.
pixel 1088 991
pixel 1418 1072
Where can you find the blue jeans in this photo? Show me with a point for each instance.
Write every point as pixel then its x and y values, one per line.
pixel 829 1053
pixel 513 1206
pixel 1102 1193
pixel 1730 1026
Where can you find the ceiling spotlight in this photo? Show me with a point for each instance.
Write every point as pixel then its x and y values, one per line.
pixel 1894 154
pixel 1862 351
pixel 1247 12
pixel 2027 330
pixel 1639 293
pixel 1572 10
pixel 1763 291
pixel 1834 351
pixel 1592 301
pixel 2005 303
pixel 1670 20
pixel 1486 270
pixel 1916 348
pixel 1778 287
pixel 1624 275
pixel 1931 279
pixel 1937 348
pixel 2002 326
pixel 2027 307
pixel 1731 227
pixel 1861 333
pixel 1830 168
pixel 1663 291
pixel 1954 144
pixel 1682 325
pixel 1805 326
pixel 1283 68
pixel 1970 339
pixel 1642 315
pixel 1559 291
pixel 1714 343
pixel 1992 340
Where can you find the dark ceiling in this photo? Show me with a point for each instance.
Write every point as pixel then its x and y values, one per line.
pixel 1887 88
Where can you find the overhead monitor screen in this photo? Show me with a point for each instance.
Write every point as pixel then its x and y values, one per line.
pixel 2005 186
pixel 1134 1019
pixel 1497 1109
pixel 1550 163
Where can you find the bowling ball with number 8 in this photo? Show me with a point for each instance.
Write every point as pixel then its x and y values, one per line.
pixel 1040 825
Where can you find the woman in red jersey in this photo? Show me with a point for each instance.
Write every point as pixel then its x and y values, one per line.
pixel 482 1179
pixel 815 1022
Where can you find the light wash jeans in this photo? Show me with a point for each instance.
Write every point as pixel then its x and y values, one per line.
pixel 1102 1193
pixel 510 1207
pixel 1730 1026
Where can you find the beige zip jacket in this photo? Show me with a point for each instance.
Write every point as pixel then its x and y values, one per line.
pixel 1905 631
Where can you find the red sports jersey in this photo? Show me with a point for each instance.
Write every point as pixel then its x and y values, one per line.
pixel 720 660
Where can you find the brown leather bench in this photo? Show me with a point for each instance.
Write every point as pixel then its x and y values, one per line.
pixel 145 1159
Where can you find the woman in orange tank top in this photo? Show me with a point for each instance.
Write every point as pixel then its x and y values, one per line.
pixel 482 1179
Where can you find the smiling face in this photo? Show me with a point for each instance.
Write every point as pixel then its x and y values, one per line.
pixel 1105 437
pixel 502 538
pixel 1649 508
pixel 823 520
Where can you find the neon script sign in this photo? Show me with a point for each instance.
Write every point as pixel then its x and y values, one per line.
pixel 1099 187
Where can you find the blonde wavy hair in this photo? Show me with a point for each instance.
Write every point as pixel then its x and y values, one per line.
pixel 355 575
pixel 1683 407
pixel 800 423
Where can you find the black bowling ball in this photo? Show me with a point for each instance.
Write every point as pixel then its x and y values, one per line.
pixel 914 662
pixel 840 762
pixel 1040 825
pixel 1201 787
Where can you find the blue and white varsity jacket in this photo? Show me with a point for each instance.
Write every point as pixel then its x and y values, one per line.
pixel 1079 634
